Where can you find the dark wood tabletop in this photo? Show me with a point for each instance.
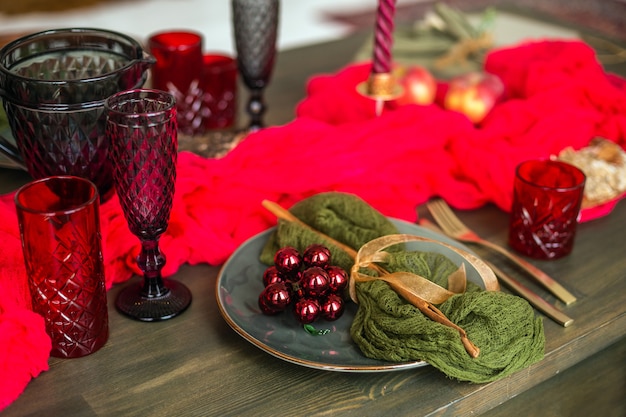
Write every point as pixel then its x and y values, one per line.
pixel 196 365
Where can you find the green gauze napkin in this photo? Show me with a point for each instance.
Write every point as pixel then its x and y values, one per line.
pixel 344 217
pixel 388 328
pixel 503 326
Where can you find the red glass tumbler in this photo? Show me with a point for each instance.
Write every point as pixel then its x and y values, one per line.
pixel 547 195
pixel 178 70
pixel 60 230
pixel 178 59
pixel 219 85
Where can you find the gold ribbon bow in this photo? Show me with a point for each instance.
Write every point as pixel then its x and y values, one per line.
pixel 413 284
pixel 417 290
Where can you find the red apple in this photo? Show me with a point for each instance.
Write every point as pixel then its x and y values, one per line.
pixel 418 83
pixel 474 94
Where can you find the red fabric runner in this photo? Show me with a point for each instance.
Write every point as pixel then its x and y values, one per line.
pixel 557 96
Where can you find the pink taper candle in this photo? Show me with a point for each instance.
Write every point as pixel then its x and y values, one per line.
pixel 383 36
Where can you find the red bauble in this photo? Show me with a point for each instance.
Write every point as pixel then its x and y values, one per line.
pixel 306 310
pixel 316 255
pixel 308 283
pixel 338 279
pixel 333 307
pixel 315 282
pixel 274 298
pixel 272 275
pixel 287 260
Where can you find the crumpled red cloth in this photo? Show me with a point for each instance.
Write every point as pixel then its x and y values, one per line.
pixel 558 95
pixel 24 344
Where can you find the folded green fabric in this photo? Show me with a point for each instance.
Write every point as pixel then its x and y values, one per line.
pixel 503 326
pixel 386 327
pixel 344 217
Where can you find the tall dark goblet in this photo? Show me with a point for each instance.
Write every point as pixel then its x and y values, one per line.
pixel 141 127
pixel 256 28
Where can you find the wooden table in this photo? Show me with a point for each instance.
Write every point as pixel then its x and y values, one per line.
pixel 196 365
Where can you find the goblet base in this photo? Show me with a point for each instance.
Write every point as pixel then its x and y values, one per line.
pixel 133 304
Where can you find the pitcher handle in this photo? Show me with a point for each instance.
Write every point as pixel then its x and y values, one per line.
pixel 147 60
pixel 10 151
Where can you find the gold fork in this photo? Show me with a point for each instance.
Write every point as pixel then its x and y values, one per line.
pixel 534 299
pixel 453 227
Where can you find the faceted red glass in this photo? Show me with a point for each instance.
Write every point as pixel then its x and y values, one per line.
pixel 60 230
pixel 204 86
pixel 546 203
pixel 178 57
pixel 219 91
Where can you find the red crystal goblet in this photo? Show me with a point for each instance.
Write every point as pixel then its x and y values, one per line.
pixel 141 127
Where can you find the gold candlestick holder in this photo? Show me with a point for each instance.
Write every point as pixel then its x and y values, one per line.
pixel 380 87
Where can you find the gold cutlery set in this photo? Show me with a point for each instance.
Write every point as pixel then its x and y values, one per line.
pixel 450 225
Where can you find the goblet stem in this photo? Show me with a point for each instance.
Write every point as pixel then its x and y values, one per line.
pixel 151 261
pixel 256 109
pixel 153 301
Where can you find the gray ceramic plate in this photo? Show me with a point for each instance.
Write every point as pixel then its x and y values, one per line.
pixel 239 284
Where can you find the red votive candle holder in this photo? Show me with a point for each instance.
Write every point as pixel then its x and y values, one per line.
pixel 219 85
pixel 204 85
pixel 60 231
pixel 178 59
pixel 547 195
pixel 178 70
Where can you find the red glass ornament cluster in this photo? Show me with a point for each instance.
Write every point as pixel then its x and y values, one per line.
pixel 306 282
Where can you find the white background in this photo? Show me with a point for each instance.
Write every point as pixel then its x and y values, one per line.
pixel 301 21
